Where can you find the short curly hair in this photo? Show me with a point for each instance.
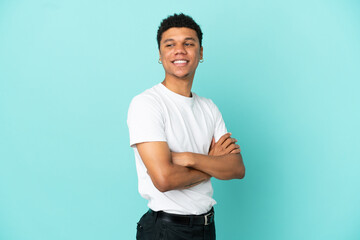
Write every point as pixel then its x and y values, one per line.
pixel 178 20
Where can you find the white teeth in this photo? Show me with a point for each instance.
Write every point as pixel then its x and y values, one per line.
pixel 180 61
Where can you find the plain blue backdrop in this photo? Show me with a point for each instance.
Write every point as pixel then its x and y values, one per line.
pixel 285 75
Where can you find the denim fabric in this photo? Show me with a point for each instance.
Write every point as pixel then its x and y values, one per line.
pixel 152 228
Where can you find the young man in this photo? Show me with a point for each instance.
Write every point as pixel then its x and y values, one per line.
pixel 180 141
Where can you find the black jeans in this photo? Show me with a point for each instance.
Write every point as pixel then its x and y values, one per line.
pixel 152 228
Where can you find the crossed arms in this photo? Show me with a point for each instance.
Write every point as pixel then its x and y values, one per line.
pixel 169 170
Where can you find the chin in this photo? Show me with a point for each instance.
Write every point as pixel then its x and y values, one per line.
pixel 182 75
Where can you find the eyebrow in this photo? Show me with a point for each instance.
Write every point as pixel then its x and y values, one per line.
pixel 170 39
pixel 190 38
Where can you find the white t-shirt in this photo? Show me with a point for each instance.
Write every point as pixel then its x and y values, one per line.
pixel 187 124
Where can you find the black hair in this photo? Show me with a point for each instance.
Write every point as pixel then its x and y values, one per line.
pixel 178 20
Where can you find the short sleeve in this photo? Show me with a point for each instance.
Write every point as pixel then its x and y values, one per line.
pixel 145 120
pixel 220 128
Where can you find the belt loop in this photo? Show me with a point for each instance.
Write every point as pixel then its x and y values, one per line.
pixel 155 215
pixel 191 221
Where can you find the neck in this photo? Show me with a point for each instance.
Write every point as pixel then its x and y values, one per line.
pixel 178 85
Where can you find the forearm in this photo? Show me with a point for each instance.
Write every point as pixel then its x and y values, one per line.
pixel 224 167
pixel 179 177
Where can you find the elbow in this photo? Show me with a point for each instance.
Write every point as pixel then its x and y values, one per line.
pixel 240 174
pixel 162 183
pixel 237 173
pixel 162 187
pixel 240 170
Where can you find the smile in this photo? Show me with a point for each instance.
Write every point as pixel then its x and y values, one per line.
pixel 180 62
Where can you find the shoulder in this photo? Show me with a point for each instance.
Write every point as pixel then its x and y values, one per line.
pixel 207 103
pixel 149 97
pixel 204 101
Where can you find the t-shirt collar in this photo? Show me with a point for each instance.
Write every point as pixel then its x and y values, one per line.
pixel 176 96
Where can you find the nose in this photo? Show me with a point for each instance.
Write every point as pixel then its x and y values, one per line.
pixel 180 49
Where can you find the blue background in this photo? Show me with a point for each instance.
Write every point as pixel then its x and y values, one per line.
pixel 285 75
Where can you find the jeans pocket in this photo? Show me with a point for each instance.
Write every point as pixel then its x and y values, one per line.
pixel 145 228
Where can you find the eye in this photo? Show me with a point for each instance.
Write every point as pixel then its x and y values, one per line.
pixel 189 44
pixel 169 45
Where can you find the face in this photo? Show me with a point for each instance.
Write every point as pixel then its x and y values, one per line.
pixel 180 52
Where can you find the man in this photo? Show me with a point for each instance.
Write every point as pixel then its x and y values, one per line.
pixel 180 141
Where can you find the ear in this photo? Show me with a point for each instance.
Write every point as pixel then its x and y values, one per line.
pixel 201 52
pixel 159 54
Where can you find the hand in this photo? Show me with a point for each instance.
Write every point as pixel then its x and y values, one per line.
pixel 225 145
pixel 185 159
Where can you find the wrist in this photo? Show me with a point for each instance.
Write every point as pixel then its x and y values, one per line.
pixel 190 159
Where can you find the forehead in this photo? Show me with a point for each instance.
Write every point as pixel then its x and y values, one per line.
pixel 177 34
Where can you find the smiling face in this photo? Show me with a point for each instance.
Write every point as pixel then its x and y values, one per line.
pixel 180 52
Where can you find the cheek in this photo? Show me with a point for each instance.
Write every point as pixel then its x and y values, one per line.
pixel 165 56
pixel 197 57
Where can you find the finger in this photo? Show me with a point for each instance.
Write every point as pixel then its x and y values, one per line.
pixel 228 142
pixel 212 142
pixel 237 150
pixel 223 138
pixel 232 147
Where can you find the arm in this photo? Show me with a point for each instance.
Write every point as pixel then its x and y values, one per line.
pixel 225 167
pixel 223 162
pixel 164 174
